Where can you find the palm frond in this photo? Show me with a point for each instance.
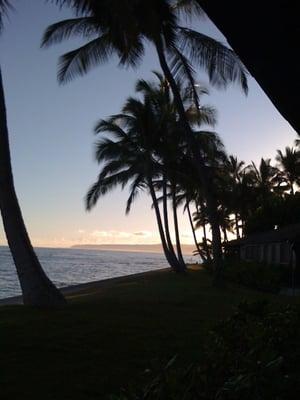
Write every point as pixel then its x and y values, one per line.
pixel 188 8
pixel 133 56
pixel 220 62
pixel 81 60
pixel 92 195
pixel 107 150
pixel 144 87
pixel 182 69
pixel 134 191
pixel 85 27
pixel 205 115
pixel 103 185
pixel 110 127
pixel 79 6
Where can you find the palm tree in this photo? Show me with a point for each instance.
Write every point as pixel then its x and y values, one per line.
pixel 131 157
pixel 290 165
pixel 190 185
pixel 37 289
pixel 121 28
pixel 201 221
pixel 264 178
pixel 178 167
pixel 234 168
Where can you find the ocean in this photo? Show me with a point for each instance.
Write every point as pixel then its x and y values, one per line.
pixel 66 267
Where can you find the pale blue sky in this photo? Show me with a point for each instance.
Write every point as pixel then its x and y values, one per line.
pixel 52 141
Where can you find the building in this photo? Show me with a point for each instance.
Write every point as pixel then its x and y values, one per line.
pixel 278 247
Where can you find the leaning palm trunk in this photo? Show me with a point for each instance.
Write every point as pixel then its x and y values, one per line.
pixel 166 219
pixel 171 260
pixel 199 250
pixel 37 289
pixel 199 164
pixel 176 227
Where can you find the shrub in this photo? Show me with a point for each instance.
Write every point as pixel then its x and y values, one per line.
pixel 254 354
pixel 256 275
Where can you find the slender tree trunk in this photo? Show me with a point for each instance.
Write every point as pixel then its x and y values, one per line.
pixel 205 243
pixel 201 253
pixel 176 227
pixel 36 287
pixel 292 188
pixel 172 262
pixel 225 233
pixel 165 214
pixel 237 226
pixel 199 164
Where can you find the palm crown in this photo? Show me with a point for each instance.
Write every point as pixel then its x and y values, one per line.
pixel 122 28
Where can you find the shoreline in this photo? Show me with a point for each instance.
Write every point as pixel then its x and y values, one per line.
pixel 81 288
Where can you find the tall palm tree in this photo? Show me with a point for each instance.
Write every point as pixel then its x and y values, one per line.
pixel 190 185
pixel 130 157
pixel 114 27
pixel 289 162
pixel 175 156
pixel 37 289
pixel 234 168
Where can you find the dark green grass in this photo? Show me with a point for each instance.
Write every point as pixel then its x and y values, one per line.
pixel 102 341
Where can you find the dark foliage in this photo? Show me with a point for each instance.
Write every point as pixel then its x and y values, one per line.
pixel 252 355
pixel 280 211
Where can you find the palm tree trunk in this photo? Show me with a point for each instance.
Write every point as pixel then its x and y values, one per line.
pixel 205 243
pixel 166 219
pixel 201 253
pixel 37 289
pixel 172 262
pixel 225 233
pixel 176 228
pixel 199 164
pixel 237 226
pixel 292 188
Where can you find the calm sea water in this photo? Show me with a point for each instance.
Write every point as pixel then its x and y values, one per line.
pixel 67 267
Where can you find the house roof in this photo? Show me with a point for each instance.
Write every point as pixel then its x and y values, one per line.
pixel 289 233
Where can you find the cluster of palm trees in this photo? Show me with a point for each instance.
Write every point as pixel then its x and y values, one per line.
pixel 121 28
pixel 145 147
pixel 253 198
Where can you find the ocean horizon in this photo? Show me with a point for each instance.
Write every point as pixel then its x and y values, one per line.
pixel 73 266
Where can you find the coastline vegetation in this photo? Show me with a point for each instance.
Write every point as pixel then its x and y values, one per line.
pixel 115 337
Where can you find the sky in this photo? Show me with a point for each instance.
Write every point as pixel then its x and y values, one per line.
pixel 52 140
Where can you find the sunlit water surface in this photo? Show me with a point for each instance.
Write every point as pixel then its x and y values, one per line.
pixel 67 267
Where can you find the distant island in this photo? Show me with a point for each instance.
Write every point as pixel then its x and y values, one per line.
pixel 144 248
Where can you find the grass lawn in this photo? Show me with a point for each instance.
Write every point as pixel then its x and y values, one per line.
pixel 103 340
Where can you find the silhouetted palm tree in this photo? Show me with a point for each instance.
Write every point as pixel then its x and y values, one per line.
pixel 121 28
pixel 264 178
pixel 290 165
pixel 131 157
pixel 37 289
pixel 234 169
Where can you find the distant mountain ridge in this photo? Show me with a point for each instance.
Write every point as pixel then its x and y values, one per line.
pixel 145 248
